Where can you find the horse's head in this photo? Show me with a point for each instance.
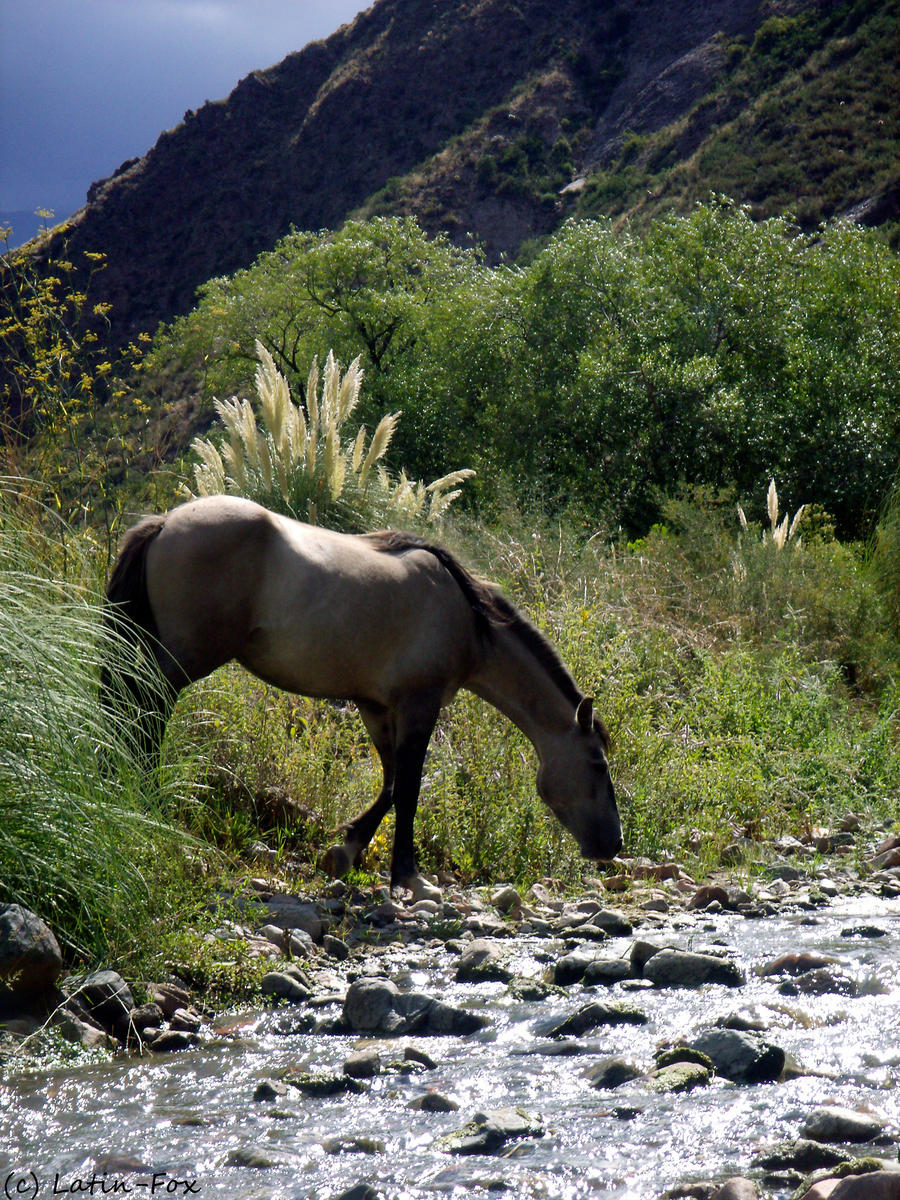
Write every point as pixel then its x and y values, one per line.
pixel 573 781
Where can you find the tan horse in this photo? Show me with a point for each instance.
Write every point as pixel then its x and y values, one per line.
pixel 386 620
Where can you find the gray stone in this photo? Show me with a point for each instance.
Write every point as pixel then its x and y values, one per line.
pixel 106 996
pixel 335 948
pixel 834 1124
pixel 370 1005
pixel 796 963
pixel 679 1077
pixel 683 968
pixel 270 1089
pixel 741 1057
pixel 173 1039
pixel 590 1016
pixel 506 899
pixel 287 912
pixel 488 1133
pixel 611 922
pixel 284 987
pixel 482 962
pixel 606 971
pixel 376 1006
pixel 313 1084
pixel 359 1191
pixel 365 1064
pixel 612 1073
pixel 802 1154
pixel 571 967
pixel 737 1188
pixel 434 1102
pixel 30 958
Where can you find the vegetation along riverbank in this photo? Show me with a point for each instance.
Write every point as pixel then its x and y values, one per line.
pixel 684 447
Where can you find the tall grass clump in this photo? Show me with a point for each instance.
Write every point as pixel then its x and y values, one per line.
pixel 301 463
pixel 84 839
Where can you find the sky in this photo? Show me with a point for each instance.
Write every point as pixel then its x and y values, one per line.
pixel 87 84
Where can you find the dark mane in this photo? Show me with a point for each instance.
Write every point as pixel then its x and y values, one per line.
pixel 491 608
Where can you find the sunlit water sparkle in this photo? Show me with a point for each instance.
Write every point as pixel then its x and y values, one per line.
pixel 191 1115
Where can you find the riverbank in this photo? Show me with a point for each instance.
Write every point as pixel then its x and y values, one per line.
pixel 489 1026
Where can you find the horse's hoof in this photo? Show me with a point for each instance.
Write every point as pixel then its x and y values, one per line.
pixel 421 889
pixel 336 861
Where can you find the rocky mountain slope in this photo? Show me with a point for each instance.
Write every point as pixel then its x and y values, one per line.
pixel 493 121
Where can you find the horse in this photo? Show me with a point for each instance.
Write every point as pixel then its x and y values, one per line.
pixel 385 620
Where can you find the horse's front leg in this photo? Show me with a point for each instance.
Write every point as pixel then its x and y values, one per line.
pixel 412 746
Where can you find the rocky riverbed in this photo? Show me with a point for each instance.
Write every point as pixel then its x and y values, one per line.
pixel 651 1037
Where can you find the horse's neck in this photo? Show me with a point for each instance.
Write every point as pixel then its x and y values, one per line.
pixel 513 680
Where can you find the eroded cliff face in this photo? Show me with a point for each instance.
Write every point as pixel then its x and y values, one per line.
pixel 473 114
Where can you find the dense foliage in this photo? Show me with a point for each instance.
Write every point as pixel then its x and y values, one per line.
pixel 711 350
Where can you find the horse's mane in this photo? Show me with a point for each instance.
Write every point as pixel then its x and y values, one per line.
pixel 491 608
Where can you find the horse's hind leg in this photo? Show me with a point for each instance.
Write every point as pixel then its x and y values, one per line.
pixel 338 860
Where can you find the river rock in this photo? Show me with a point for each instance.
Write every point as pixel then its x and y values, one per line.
pixel 611 1073
pixel 370 1006
pixel 106 996
pixel 284 987
pixel 683 968
pixel 606 971
pixel 679 1077
pixel 741 1057
pixel 270 1089
pixel 797 963
pixel 170 1040
pixel 802 1154
pixel 737 1188
pixel 360 1191
pixel 506 900
pixel 482 962
pixel 590 1016
pixel 612 922
pixel 170 997
pixel 873 1185
pixel 826 981
pixel 364 1064
pixel 708 894
pixel 313 1084
pixel 30 958
pixel 288 912
pixel 375 1005
pixel 433 1102
pixel 835 1124
pixel 571 967
pixel 488 1133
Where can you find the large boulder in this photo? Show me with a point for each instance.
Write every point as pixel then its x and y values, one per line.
pixel 30 958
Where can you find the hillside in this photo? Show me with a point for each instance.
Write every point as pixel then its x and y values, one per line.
pixel 496 121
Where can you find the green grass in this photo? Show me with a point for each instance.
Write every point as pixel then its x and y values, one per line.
pixel 86 841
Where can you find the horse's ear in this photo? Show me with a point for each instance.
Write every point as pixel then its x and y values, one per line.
pixel 584 715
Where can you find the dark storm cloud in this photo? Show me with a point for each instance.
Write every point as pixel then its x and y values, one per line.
pixel 86 84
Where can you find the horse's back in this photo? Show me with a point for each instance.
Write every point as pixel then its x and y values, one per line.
pixel 308 609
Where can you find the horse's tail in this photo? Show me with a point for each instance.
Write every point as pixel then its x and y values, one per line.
pixel 127 616
pixel 489 606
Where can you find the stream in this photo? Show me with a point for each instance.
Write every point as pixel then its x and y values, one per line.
pixel 188 1123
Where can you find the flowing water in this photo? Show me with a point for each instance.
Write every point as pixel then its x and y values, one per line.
pixel 191 1117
